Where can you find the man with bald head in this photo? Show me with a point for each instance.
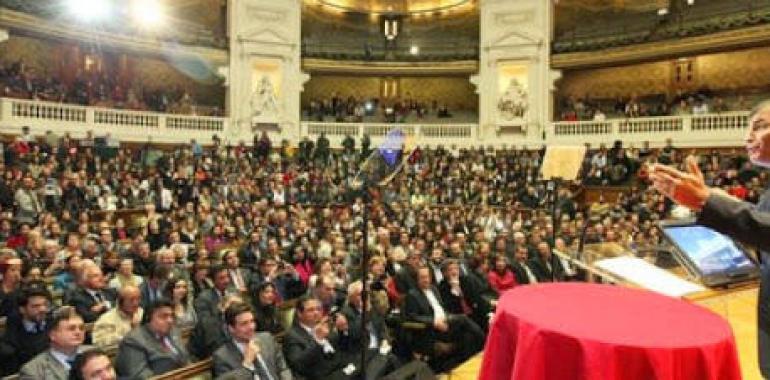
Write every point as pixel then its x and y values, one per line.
pixel 113 325
pixel 740 220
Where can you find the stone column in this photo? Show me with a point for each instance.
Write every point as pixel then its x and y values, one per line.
pixel 265 78
pixel 515 80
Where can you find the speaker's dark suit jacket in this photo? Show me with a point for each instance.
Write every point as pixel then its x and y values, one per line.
pixel 750 225
pixel 228 360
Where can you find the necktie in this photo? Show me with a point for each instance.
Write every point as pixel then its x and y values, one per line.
pixel 39 327
pixel 260 370
pixel 164 343
pixel 70 362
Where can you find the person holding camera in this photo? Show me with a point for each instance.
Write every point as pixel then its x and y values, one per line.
pixel 316 345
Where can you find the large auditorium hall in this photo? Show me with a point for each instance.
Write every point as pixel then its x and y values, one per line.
pixel 385 189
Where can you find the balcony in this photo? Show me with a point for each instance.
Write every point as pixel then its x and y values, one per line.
pixel 121 124
pixel 722 129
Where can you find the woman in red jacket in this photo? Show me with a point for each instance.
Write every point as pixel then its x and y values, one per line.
pixel 501 278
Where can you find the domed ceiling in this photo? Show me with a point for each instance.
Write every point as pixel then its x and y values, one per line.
pixel 397 7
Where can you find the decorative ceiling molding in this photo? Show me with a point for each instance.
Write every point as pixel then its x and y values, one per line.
pixel 313 66
pixel 715 42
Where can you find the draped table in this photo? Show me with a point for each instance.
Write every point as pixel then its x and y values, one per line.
pixel 577 331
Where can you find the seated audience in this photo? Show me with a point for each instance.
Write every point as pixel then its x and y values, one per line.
pixel 66 333
pixel 93 364
pixel 210 332
pixel 206 302
pixel 125 276
pixel 501 277
pixel 92 298
pixel 113 325
pixel 424 304
pixel 375 340
pixel 248 354
pixel 315 345
pixel 266 309
pixel 26 333
pixel 153 348
pixel 177 290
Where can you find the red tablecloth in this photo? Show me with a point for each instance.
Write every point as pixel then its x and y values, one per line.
pixel 572 331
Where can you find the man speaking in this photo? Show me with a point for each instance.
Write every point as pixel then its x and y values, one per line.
pixel 742 221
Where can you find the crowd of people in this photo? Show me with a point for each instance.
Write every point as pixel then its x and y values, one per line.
pixel 96 89
pixel 125 250
pixel 355 110
pixel 684 103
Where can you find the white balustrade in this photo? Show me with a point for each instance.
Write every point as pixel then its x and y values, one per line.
pixel 718 129
pixel 125 125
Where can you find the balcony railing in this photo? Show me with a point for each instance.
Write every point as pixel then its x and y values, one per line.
pixel 423 134
pixel 123 124
pixel 719 129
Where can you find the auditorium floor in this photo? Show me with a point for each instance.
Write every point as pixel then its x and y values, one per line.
pixel 468 371
pixel 739 308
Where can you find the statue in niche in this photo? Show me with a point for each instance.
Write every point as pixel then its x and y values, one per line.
pixel 513 103
pixel 263 100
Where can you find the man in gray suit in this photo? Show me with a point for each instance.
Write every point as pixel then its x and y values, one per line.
pixel 153 348
pixel 67 332
pixel 248 353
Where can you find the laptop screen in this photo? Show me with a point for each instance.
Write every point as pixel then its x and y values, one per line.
pixel 712 252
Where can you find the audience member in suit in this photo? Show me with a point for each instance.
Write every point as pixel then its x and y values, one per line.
pixel 210 332
pixel 265 309
pixel 25 334
pixel 248 353
pixel 166 258
pixel 66 332
pixel 521 266
pixel 376 340
pixel 200 277
pixel 152 289
pixel 113 325
pixel 153 348
pixel 462 296
pixel 325 290
pixel 406 277
pixel 239 277
pixel 314 349
pixel 93 298
pixel 283 275
pixel 251 251
pixel 424 305
pixel 9 287
pixel 206 303
pixel 435 265
pixel 93 364
pixel 546 265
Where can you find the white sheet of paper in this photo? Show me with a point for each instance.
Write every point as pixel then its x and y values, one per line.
pixel 648 276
